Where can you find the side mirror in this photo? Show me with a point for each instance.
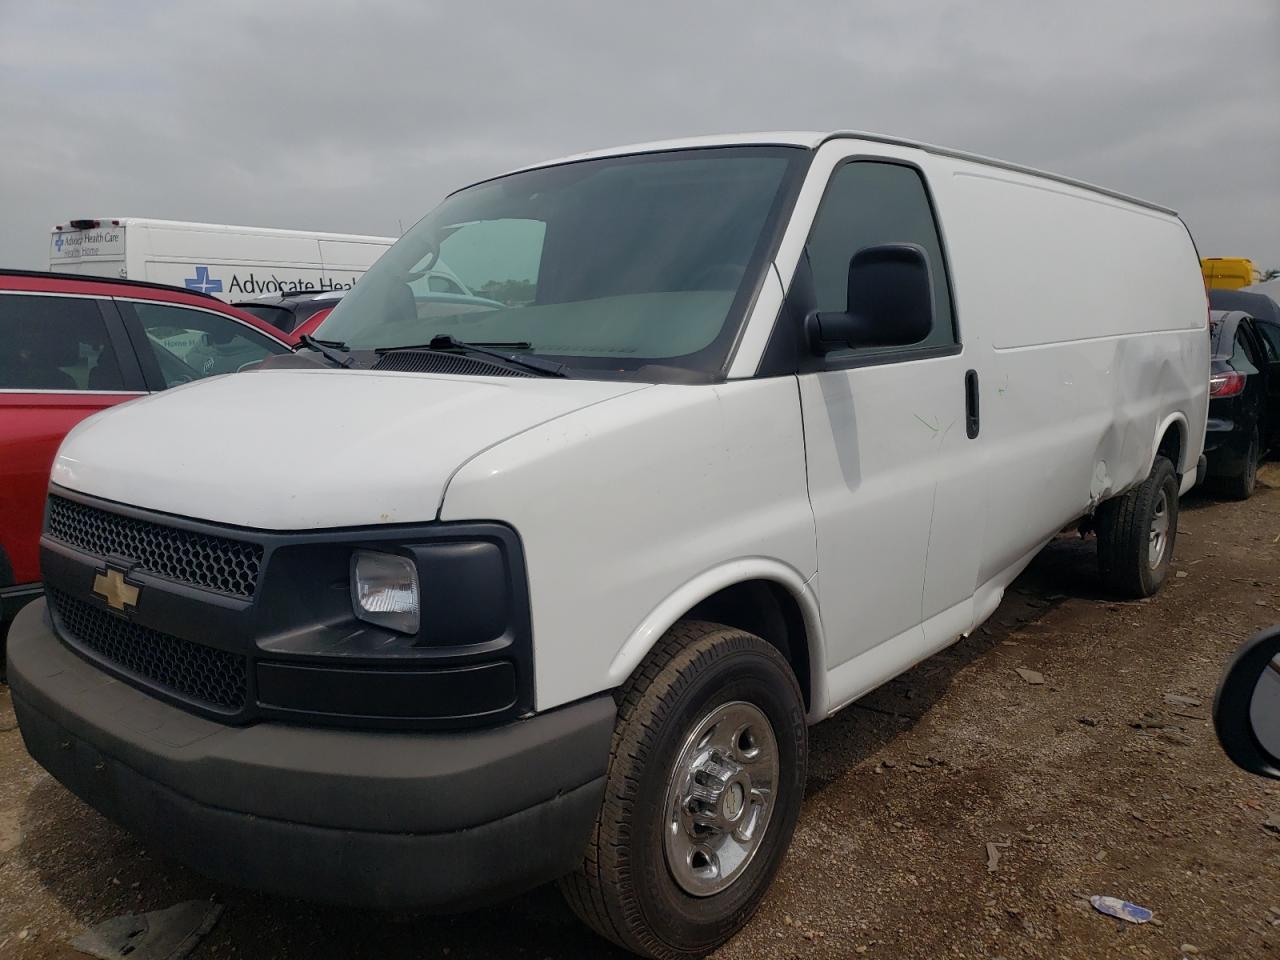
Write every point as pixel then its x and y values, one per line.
pixel 890 302
pixel 1246 711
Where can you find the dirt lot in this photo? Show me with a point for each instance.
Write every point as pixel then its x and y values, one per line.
pixel 1094 781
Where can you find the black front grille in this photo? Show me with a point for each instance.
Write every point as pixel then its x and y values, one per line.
pixel 213 677
pixel 429 361
pixel 214 563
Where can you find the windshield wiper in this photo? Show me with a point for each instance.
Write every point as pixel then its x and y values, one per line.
pixel 445 343
pixel 327 349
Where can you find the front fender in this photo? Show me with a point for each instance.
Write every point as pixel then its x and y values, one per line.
pixel 676 604
pixel 625 506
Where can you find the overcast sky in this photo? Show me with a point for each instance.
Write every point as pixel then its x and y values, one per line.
pixel 358 117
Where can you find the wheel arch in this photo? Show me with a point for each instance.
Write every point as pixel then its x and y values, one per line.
pixel 1171 441
pixel 757 594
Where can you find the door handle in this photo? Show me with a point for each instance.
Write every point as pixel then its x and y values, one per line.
pixel 971 422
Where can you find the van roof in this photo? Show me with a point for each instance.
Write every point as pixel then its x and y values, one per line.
pixel 811 140
pixel 229 228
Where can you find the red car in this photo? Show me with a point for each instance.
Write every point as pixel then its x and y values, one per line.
pixel 73 345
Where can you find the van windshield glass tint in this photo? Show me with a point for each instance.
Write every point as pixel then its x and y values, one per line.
pixel 607 265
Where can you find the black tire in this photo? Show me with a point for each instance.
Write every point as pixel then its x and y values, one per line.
pixel 1124 528
pixel 624 889
pixel 1242 485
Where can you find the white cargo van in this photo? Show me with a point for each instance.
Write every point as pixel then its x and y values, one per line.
pixel 552 588
pixel 232 263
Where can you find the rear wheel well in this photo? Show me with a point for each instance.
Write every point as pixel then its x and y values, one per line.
pixel 1170 446
pixel 769 611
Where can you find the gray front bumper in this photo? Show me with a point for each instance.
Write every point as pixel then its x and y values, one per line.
pixel 367 818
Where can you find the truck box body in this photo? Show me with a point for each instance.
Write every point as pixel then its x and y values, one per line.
pixel 731 431
pixel 230 262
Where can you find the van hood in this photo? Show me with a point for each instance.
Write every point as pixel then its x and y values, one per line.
pixel 308 449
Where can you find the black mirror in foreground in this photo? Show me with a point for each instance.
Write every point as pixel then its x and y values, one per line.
pixel 1246 711
pixel 890 302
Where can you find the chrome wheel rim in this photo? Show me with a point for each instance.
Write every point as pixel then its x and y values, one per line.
pixel 1158 539
pixel 720 797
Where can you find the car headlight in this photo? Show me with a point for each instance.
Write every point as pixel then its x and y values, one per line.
pixel 384 590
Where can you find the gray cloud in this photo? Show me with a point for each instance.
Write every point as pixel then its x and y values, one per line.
pixel 357 117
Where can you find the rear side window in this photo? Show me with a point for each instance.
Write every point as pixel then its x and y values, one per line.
pixel 868 203
pixel 1242 357
pixel 55 343
pixel 190 344
pixel 1270 333
pixel 1269 352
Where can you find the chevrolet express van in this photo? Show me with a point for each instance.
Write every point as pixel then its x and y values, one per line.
pixel 553 590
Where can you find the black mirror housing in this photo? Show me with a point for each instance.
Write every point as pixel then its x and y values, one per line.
pixel 890 302
pixel 1248 697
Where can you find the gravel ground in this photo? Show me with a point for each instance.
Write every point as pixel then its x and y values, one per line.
pixel 1090 782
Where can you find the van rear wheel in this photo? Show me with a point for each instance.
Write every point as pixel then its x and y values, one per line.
pixel 1136 534
pixel 705 780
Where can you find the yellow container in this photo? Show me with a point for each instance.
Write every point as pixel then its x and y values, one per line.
pixel 1227 273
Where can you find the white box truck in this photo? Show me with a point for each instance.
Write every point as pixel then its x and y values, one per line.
pixel 553 589
pixel 231 262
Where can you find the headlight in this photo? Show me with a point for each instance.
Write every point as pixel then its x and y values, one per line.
pixel 384 590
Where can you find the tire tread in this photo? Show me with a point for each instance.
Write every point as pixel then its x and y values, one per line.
pixel 597 892
pixel 1122 524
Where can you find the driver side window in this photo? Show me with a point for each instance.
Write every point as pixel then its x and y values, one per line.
pixel 868 203
pixel 190 344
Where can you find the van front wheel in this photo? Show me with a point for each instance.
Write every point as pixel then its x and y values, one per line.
pixel 706 775
pixel 1136 533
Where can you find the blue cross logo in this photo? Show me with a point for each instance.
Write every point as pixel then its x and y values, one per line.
pixel 57 243
pixel 203 282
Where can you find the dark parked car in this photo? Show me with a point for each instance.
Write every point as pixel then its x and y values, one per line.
pixel 290 311
pixel 1244 401
pixel 1261 306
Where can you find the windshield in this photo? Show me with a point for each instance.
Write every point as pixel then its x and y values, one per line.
pixel 605 265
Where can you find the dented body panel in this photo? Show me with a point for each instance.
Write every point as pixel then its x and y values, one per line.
pixel 1087 372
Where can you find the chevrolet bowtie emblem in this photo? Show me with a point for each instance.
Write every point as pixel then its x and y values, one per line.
pixel 112 588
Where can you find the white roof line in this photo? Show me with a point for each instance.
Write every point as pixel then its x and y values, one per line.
pixel 1001 164
pixel 812 140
